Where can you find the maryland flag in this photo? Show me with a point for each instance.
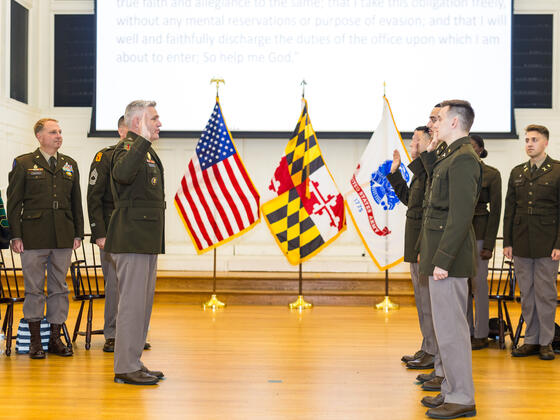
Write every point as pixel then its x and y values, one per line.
pixel 305 210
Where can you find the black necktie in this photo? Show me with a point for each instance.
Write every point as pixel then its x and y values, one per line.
pixel 533 169
pixel 52 163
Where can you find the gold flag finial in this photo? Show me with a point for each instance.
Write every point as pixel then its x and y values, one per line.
pixel 217 81
pixel 303 83
pixel 384 87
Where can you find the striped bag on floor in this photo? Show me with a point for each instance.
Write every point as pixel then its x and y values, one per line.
pixel 23 339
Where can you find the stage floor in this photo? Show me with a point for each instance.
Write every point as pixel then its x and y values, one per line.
pixel 252 362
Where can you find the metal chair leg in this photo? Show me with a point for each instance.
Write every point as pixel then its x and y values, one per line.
pixel 518 330
pixel 66 336
pixel 10 322
pixel 4 324
pixel 508 322
pixel 89 324
pixel 78 322
pixel 501 340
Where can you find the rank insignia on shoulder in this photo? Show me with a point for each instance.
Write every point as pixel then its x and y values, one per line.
pixel 93 177
pixel 67 169
pixel 98 156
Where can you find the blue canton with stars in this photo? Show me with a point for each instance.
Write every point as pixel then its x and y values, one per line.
pixel 215 143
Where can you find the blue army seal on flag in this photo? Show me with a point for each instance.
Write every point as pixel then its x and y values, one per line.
pixel 381 189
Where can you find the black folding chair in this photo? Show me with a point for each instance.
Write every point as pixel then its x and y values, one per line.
pixel 11 292
pixel 86 281
pixel 502 290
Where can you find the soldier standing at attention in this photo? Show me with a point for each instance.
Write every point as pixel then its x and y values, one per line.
pixel 448 256
pixel 135 238
pixel 100 206
pixel 413 197
pixel 532 238
pixel 485 224
pixel 45 216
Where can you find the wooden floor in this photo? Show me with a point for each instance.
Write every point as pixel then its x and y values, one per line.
pixel 252 362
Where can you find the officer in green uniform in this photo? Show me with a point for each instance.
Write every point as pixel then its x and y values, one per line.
pixel 532 238
pixel 100 207
pixel 485 223
pixel 448 256
pixel 45 216
pixel 413 198
pixel 135 238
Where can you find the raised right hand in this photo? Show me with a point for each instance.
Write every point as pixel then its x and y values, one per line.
pixel 396 161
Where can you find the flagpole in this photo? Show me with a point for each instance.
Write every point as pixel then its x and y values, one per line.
pixel 214 303
pixel 386 304
pixel 300 303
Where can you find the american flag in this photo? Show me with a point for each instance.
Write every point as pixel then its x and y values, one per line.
pixel 216 199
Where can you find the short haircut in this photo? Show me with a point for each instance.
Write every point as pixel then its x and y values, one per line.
pixel 121 123
pixel 438 105
pixel 135 107
pixel 480 142
pixel 461 109
pixel 539 129
pixel 423 129
pixel 39 125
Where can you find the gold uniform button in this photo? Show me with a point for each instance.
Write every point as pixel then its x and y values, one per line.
pixel 530 184
pixel 530 192
pixel 54 195
pixel 530 202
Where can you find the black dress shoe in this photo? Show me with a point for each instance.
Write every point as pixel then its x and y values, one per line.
pixel 425 377
pixel 109 346
pixel 155 373
pixel 433 384
pixel 526 350
pixel 546 352
pixel 433 402
pixel 414 356
pixel 135 378
pixel 479 343
pixel 147 346
pixel 425 362
pixel 451 411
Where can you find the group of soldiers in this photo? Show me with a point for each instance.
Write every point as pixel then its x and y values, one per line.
pixel 126 212
pixel 454 204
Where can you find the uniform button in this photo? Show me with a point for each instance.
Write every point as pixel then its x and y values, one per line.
pixel 54 186
pixel 441 227
pixel 54 195
pixel 530 202
pixel 530 192
pixel 531 184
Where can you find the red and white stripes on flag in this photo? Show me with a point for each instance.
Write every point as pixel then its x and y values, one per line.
pixel 216 200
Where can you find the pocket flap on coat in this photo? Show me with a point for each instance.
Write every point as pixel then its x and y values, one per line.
pixel 436 224
pixel 32 214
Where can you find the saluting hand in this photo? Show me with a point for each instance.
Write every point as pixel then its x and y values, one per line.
pixel 143 127
pixel 396 161
pixel 434 143
pixel 555 255
pixel 77 243
pixel 17 246
pixel 440 273
pixel 508 252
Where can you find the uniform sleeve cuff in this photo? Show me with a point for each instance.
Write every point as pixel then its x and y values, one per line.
pixel 443 260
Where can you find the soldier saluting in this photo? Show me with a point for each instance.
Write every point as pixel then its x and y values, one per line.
pixel 45 216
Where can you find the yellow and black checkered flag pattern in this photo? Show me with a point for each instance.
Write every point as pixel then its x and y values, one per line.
pixel 287 217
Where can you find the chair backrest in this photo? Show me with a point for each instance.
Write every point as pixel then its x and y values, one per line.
pixel 502 275
pixel 86 271
pixel 11 290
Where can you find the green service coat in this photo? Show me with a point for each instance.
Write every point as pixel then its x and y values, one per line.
pixel 532 210
pixel 45 207
pixel 99 194
pixel 137 223
pixel 486 222
pixel 447 237
pixel 412 197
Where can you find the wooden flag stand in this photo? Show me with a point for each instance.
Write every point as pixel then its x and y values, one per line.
pixel 300 303
pixel 386 305
pixel 214 304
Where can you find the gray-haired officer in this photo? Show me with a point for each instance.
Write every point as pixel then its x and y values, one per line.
pixel 135 237
pixel 100 206
pixel 532 238
pixel 45 216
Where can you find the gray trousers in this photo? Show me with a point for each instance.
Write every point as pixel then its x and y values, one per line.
pixel 537 282
pixel 424 308
pixel 449 312
pixel 136 283
pixel 111 294
pixel 56 262
pixel 479 328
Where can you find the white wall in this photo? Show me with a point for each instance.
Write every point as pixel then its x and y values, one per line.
pixel 256 250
